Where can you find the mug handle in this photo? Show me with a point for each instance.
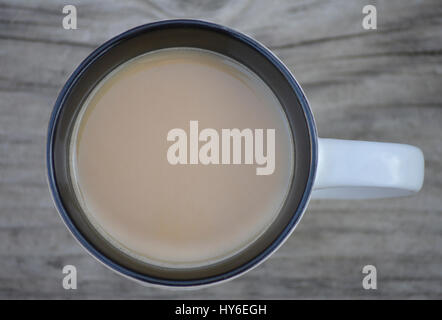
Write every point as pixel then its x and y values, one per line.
pixel 349 169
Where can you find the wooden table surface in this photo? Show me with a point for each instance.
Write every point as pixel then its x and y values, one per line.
pixel 381 85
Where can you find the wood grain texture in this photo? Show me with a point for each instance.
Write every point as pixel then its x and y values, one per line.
pixel 383 85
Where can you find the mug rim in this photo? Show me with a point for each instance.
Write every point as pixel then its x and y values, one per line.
pixel 228 275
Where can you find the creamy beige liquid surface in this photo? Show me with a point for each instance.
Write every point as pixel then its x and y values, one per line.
pixel 176 215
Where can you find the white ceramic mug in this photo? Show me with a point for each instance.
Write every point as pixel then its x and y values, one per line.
pixel 323 168
pixel 361 169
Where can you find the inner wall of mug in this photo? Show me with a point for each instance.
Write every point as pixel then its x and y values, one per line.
pixel 113 54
